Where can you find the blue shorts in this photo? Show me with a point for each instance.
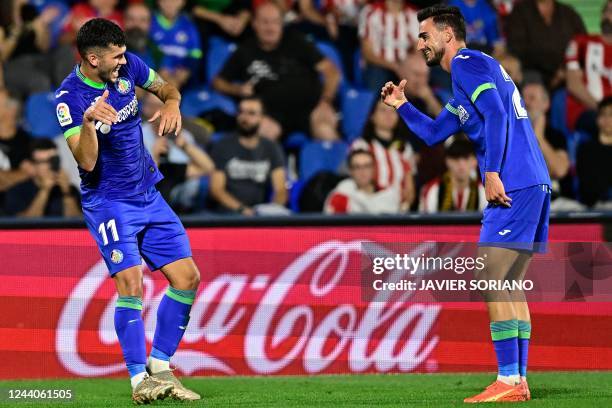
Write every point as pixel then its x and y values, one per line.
pixel 523 226
pixel 140 227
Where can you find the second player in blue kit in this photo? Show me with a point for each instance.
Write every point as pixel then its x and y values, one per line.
pixel 128 218
pixel 488 107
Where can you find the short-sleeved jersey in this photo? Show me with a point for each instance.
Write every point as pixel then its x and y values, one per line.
pixel 474 72
pixel 179 41
pixel 124 166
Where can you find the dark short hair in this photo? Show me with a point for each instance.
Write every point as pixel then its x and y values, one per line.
pixel 356 152
pixel 99 33
pixel 445 16
pixel 41 144
pixel 255 98
pixel 460 148
pixel 604 103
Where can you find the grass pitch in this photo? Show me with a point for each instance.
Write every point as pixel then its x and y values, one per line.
pixel 556 390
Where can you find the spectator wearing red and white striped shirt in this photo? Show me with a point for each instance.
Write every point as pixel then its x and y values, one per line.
pixel 589 73
pixel 388 30
pixel 359 193
pixel 394 158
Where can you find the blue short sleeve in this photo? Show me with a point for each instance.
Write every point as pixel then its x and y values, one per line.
pixel 141 73
pixel 69 109
pixel 472 75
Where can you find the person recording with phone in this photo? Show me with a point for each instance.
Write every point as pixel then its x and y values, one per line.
pixel 48 192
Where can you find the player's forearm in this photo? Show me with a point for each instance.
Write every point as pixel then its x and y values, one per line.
pixel 86 149
pixel 428 130
pixel 37 207
pixel 169 94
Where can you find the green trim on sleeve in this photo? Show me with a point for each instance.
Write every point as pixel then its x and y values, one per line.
pixel 452 109
pixel 150 79
pixel 72 131
pixel 195 53
pixel 481 88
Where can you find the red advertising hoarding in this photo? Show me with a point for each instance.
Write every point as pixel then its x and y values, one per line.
pixel 272 301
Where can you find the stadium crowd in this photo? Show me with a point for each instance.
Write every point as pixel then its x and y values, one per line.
pixel 281 108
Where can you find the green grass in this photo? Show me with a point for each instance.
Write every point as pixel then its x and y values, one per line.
pixel 557 390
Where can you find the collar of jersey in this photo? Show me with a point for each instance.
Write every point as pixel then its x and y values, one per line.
pixel 164 22
pixel 87 81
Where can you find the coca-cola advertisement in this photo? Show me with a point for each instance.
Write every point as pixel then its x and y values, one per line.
pixel 272 301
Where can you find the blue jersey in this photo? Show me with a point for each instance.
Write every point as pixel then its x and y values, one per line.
pixel 179 42
pixel 521 163
pixel 124 166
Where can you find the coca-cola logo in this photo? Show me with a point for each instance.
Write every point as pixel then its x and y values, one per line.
pixel 277 317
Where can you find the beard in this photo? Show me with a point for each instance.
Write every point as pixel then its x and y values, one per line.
pixel 435 58
pixel 606 27
pixel 247 131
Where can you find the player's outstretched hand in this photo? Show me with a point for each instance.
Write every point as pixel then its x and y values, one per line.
pixel 101 111
pixel 393 95
pixel 170 118
pixel 494 190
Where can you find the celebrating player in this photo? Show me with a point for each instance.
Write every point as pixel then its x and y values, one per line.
pixel 98 112
pixel 488 107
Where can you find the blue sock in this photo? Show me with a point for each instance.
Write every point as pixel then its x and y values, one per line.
pixel 505 340
pixel 524 334
pixel 172 319
pixel 130 331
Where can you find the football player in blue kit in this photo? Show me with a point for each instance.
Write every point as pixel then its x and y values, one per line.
pixel 488 107
pixel 128 218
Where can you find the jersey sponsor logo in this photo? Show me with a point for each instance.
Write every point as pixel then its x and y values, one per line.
pixel 463 115
pixel 60 93
pixel 123 85
pixel 129 110
pixel 116 256
pixel 181 37
pixel 504 232
pixel 63 114
pixel 464 57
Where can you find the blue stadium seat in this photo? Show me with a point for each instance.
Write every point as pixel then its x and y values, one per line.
pixel 295 141
pixel 219 51
pixel 330 51
pixel 202 100
pixel 355 105
pixel 317 156
pixel 40 116
pixel 294 195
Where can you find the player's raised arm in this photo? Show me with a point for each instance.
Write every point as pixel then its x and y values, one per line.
pixel 427 129
pixel 170 114
pixel 84 142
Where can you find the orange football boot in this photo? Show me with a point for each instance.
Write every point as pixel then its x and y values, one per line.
pixel 499 391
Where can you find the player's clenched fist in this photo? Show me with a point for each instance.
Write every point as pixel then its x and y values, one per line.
pixel 393 95
pixel 101 111
pixel 170 118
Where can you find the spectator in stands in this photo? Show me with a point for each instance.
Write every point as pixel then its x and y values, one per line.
pixel 179 158
pixel 48 192
pixel 284 70
pixel 415 71
pixel 248 166
pixel 459 189
pixel 333 21
pixel 538 32
pixel 359 194
pixel 179 41
pixel 394 159
pixel 552 142
pixel 225 18
pixel 513 67
pixel 137 18
pixel 481 24
pixel 593 161
pixel 589 63
pixel 24 38
pixel 14 168
pixel 388 31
